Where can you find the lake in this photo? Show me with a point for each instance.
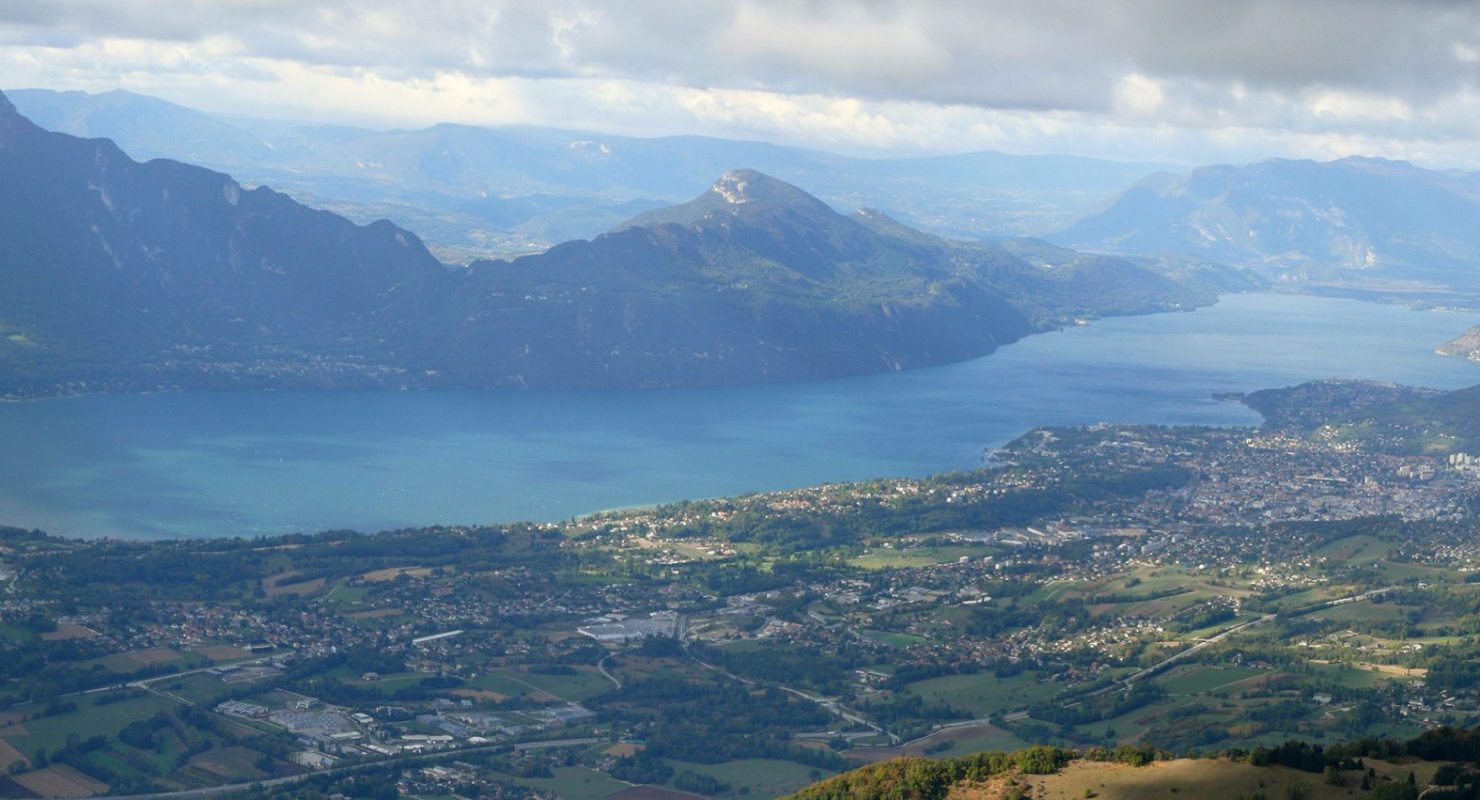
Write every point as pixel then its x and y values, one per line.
pixel 219 464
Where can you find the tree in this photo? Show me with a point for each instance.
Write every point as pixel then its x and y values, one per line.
pixel 1394 791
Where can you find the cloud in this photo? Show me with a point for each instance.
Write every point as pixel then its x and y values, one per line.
pixel 856 73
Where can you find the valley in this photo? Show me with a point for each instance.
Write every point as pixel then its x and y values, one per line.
pixel 1180 588
pixel 903 400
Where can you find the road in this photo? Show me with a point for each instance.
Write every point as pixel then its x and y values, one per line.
pixel 601 667
pixel 831 705
pixel 1203 644
pixel 336 772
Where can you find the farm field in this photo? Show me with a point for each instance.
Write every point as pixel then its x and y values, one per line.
pixel 60 781
pixel 51 732
pixel 759 777
pixel 884 558
pixel 231 763
pixel 1197 679
pixel 577 783
pixel 984 694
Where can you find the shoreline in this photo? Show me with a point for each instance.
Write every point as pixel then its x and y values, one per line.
pixel 300 461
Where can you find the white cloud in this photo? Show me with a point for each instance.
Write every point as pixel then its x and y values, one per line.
pixel 1138 96
pixel 1167 79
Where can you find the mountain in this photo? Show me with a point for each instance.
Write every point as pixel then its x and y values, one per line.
pixel 107 262
pixel 757 280
pixel 145 126
pixel 476 190
pixel 1357 221
pixel 124 275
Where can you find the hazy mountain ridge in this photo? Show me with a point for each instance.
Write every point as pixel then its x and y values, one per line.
pixel 1357 220
pixel 509 189
pixel 108 260
pixel 129 275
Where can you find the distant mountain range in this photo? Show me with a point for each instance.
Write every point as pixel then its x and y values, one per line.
pixel 1359 222
pixel 1356 224
pixel 123 275
pixel 472 190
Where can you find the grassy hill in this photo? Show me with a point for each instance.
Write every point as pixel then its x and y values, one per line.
pixel 1431 766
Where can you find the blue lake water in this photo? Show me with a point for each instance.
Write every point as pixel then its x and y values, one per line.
pixel 218 464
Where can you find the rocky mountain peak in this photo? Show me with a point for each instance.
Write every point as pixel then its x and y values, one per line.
pixel 745 194
pixel 734 186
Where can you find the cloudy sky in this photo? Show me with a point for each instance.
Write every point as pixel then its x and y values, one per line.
pixel 1171 80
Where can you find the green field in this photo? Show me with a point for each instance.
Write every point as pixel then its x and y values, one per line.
pixel 231 763
pixel 388 684
pixel 984 694
pixel 201 688
pixel 124 664
pixel 576 783
pixel 916 556
pixel 763 777
pixel 1363 549
pixel 1365 612
pixel 344 595
pixel 16 633
pixel 1393 572
pixel 107 720
pixel 1001 741
pixel 505 685
pixel 586 683
pixel 892 639
pixel 1199 678
pixel 1356 677
pixel 1057 590
pixel 112 759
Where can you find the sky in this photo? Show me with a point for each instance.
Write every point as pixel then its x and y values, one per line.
pixel 1188 81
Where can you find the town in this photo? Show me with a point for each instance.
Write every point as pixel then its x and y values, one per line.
pixel 1193 587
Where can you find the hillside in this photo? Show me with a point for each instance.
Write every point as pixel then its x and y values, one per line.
pixel 1361 222
pixel 116 271
pixel 995 777
pixel 122 275
pixel 1398 419
pixel 756 278
pixel 1466 345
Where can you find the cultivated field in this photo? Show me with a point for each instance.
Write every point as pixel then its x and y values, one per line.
pixel 61 781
